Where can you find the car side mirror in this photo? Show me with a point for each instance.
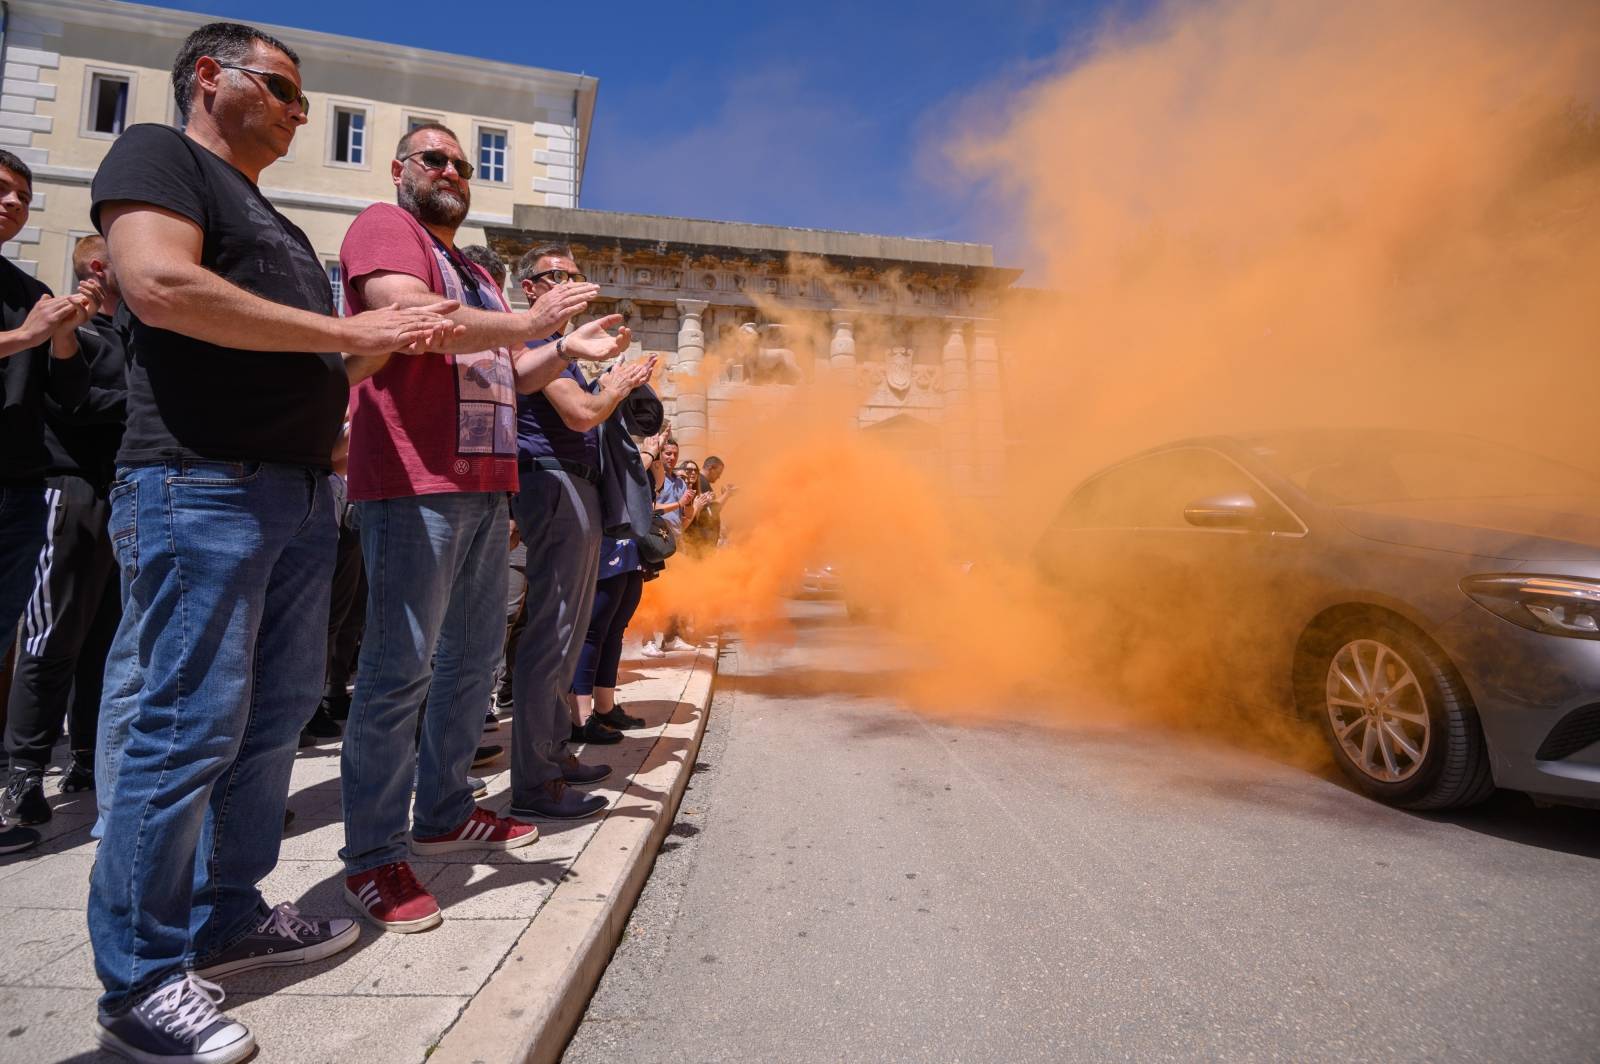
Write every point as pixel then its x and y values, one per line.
pixel 1235 511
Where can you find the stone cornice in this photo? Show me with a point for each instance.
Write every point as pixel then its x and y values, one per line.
pixel 281 197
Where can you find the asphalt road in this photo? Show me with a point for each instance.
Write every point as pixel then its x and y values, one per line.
pixel 848 881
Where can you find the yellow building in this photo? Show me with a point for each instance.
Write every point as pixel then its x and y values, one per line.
pixel 76 72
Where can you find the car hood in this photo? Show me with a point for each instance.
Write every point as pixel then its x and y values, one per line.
pixel 1526 529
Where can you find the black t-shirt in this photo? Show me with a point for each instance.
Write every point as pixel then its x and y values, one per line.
pixel 189 398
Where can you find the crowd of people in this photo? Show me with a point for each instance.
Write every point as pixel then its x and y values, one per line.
pixel 198 454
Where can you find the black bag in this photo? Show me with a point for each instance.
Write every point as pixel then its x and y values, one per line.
pixel 660 544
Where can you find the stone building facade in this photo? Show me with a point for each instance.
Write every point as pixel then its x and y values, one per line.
pixel 76 72
pixel 914 323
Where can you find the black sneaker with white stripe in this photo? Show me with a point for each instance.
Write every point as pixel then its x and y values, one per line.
pixel 283 937
pixel 177 1024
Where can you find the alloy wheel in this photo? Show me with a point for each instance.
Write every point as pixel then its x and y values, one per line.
pixel 1378 711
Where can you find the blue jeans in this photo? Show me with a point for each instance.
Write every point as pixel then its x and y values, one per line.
pixel 559 518
pixel 225 569
pixel 436 592
pixel 23 516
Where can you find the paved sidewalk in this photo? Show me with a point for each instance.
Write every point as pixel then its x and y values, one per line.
pixel 392 998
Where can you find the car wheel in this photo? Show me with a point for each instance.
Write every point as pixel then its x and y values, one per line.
pixel 1399 720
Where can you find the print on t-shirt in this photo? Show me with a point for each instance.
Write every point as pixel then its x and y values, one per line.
pixel 486 404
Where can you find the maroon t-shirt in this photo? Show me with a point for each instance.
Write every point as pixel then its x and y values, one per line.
pixel 426 424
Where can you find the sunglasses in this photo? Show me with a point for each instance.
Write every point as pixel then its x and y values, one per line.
pixel 283 90
pixel 434 159
pixel 559 276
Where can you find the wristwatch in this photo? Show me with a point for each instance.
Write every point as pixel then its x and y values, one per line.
pixel 561 350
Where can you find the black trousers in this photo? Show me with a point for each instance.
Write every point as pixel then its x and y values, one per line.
pixel 347 610
pixel 67 628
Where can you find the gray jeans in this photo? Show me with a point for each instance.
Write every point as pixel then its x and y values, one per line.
pixel 558 516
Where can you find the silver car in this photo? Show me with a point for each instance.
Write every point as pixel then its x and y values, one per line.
pixel 1433 601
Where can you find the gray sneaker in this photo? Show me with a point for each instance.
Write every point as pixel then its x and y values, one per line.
pixel 480 788
pixel 177 1024
pixel 283 937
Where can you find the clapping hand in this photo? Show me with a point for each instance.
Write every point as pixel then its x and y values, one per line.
pixel 559 305
pixel 593 342
pixel 624 377
pixel 401 330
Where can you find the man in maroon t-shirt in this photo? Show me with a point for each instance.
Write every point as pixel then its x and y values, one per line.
pixel 432 456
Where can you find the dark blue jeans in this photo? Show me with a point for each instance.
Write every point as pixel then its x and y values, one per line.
pixel 23 515
pixel 436 592
pixel 615 599
pixel 225 571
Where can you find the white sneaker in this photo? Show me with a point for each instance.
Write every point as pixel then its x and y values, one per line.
pixel 650 650
pixel 677 643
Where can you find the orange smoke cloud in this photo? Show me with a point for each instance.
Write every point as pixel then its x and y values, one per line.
pixel 1251 214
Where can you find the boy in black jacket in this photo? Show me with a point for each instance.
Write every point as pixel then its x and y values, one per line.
pixel 38 355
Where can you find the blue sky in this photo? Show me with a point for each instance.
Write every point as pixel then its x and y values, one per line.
pixel 817 113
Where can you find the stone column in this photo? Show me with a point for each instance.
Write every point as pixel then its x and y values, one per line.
pixel 957 402
pixel 988 402
pixel 689 409
pixel 842 349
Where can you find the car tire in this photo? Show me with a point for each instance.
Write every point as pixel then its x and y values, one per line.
pixel 1453 769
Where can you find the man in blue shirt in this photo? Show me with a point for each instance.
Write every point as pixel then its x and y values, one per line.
pixel 557 510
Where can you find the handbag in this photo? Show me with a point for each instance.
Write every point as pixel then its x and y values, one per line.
pixel 660 544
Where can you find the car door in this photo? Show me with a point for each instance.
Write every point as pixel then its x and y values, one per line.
pixel 1176 601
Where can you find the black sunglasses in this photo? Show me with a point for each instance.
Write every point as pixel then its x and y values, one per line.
pixel 283 90
pixel 559 276
pixel 434 159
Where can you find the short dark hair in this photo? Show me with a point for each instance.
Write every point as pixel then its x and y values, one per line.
pixel 712 461
pixel 10 162
pixel 526 264
pixel 486 258
pixel 405 138
pixel 226 42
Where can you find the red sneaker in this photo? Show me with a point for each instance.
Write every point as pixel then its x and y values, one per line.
pixel 391 897
pixel 481 831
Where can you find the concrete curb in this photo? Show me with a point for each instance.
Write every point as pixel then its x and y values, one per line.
pixel 528 1009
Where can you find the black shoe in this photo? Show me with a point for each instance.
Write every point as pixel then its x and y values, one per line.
pixel 593 731
pixel 557 801
pixel 321 727
pixel 24 799
pixel 283 937
pixel 618 719
pixel 486 754
pixel 178 1022
pixel 80 777
pixel 575 771
pixel 15 840
pixel 288 818
pixel 491 722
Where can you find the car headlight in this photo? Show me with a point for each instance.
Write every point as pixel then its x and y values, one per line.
pixel 1554 605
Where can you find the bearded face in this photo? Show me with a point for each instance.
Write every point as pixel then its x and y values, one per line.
pixel 433 199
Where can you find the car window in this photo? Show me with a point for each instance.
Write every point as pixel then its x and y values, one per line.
pixel 1152 492
pixel 1339 469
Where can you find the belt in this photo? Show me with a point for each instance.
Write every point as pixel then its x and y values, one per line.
pixel 560 465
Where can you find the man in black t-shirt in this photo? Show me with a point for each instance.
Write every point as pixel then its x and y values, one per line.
pixel 222 522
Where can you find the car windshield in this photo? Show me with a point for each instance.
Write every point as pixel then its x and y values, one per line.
pixel 1351 468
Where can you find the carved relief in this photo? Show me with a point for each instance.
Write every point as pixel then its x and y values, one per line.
pixel 762 359
pixel 897 371
pixel 644 275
